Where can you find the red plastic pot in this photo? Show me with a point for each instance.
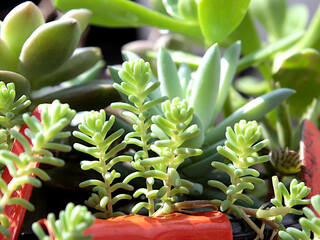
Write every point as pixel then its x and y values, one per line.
pixel 310 155
pixel 16 213
pixel 211 225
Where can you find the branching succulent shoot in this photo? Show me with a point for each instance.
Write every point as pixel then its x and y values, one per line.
pixel 284 200
pixel 11 112
pixel 310 224
pixel 94 130
pixel 72 223
pixel 172 130
pixel 42 136
pixel 241 149
pixel 136 85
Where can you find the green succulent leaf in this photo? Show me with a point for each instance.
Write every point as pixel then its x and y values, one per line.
pixel 128 14
pixel 213 15
pixel 48 48
pixel 81 60
pixel 255 109
pixel 82 16
pixel 7 59
pixel 203 99
pixel 188 9
pixel 168 75
pixel 300 72
pixel 19 24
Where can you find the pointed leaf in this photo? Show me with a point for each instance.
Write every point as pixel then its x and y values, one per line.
pixel 19 24
pixel 253 110
pixel 81 60
pixel 168 76
pixel 48 48
pixel 206 86
pixel 82 16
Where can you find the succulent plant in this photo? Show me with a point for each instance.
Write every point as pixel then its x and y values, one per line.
pixel 72 223
pixel 36 55
pixel 34 150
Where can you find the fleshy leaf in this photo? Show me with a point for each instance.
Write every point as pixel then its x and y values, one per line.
pixel 19 24
pixel 48 48
pixel 301 73
pixel 213 15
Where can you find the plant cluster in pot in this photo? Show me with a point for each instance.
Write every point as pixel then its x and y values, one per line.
pixel 173 154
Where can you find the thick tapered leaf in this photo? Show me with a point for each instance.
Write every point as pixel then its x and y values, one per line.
pixel 253 110
pixel 206 86
pixel 123 13
pixel 229 63
pixel 301 72
pixel 19 24
pixel 168 76
pixel 93 95
pixel 219 18
pixel 7 59
pixel 48 48
pixel 81 60
pixel 82 16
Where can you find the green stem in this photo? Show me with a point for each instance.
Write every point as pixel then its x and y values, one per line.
pixel 109 204
pixel 123 13
pixel 145 149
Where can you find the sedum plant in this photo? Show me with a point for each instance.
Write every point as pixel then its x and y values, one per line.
pixel 72 223
pixel 94 130
pixel 241 149
pixel 284 201
pixel 172 130
pixel 163 135
pixel 309 223
pixel 137 88
pixel 42 136
pixel 216 72
pixel 11 108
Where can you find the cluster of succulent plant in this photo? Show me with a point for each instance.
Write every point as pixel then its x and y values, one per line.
pixel 309 223
pixel 214 71
pixel 277 57
pixel 162 134
pixel 41 136
pixel 72 223
pixel 94 130
pixel 11 109
pixel 284 201
pixel 36 54
pixel 241 149
pixel 175 121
